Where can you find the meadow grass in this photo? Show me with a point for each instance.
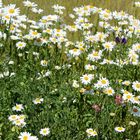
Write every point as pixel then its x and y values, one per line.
pixel 76 85
pixel 46 5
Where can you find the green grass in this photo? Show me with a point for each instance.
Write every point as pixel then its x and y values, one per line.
pixel 66 110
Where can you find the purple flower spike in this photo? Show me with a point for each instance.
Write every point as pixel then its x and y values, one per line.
pixel 124 41
pixel 117 40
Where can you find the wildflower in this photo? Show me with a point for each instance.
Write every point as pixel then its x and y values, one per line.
pixel 75 52
pixel 48 73
pixel 102 83
pixel 135 111
pixel 18 107
pixel 29 4
pixel 105 15
pixel 38 101
pixel 132 123
pixel 10 10
pixel 38 11
pixel 136 100
pixel 90 67
pixel 13 117
pixel 109 45
pixel 58 9
pixel 127 83
pixel 112 114
pixel 106 61
pixel 57 67
pixel 1 3
pixel 20 54
pixel 21 117
pixel 136 86
pixel 11 62
pixel 44 62
pixel 45 131
pixel 25 136
pixel 121 40
pixel 109 91
pixel 82 90
pixel 75 84
pixel 124 41
pixel 20 45
pixel 95 55
pixel 137 4
pixel 34 34
pixel 117 39
pixel 100 36
pixel 119 129
pixel 91 132
pixel 19 122
pixel 128 97
pixel 86 79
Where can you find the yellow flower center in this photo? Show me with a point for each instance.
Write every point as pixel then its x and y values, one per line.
pixel 106 15
pixel 43 21
pixel 13 117
pixel 7 17
pixel 35 33
pixel 91 131
pixel 120 128
pixel 75 50
pixel 44 131
pixel 95 54
pixel 17 107
pixel 103 81
pixel 137 85
pixel 109 91
pixel 86 78
pixel 11 11
pixel 128 96
pixel 38 100
pixel 107 46
pixel 25 138
pixel 126 92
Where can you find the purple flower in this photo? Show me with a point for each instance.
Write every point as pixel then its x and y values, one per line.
pixel 124 41
pixel 121 40
pixel 117 40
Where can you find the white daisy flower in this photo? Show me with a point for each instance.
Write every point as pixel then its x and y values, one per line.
pixel 135 111
pixel 20 45
pixel 38 100
pixel 44 62
pixel 45 131
pixel 25 136
pixel 10 10
pixel 109 45
pixel 128 97
pixel 91 132
pixel 18 107
pixel 127 83
pixel 109 91
pixel 95 55
pixel 102 83
pixel 13 117
pixel 136 86
pixel 86 79
pixel 119 129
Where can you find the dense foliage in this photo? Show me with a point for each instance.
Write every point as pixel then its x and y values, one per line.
pixel 69 82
